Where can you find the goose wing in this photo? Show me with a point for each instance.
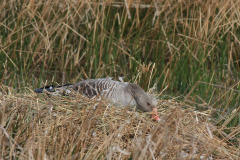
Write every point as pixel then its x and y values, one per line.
pixel 104 87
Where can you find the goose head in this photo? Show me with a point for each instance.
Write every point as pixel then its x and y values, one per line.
pixel 145 101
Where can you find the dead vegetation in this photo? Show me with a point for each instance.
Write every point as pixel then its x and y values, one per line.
pixel 73 127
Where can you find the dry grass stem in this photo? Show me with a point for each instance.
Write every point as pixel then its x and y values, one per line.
pixel 72 127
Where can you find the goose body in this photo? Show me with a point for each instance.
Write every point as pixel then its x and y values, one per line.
pixel 107 89
pixel 124 93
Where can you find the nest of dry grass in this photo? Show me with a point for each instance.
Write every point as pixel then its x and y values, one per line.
pixel 73 127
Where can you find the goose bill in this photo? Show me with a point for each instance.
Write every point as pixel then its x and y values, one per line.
pixel 154 114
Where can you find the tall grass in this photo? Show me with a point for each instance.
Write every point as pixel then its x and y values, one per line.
pixel 188 49
pixel 187 41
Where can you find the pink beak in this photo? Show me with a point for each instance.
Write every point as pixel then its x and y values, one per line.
pixel 154 114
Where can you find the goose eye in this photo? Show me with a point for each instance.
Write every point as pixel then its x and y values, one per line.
pixel 148 104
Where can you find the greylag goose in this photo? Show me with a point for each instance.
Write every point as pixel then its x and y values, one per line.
pixel 115 91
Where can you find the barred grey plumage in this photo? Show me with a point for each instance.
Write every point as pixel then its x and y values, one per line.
pixel 115 91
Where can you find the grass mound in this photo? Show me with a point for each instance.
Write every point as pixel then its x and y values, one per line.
pixel 73 127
